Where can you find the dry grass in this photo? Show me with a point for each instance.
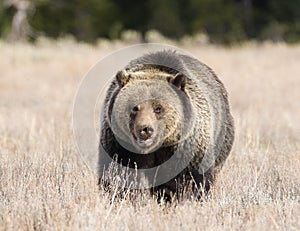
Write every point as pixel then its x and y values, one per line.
pixel 44 184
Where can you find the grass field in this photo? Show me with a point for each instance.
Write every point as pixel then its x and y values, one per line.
pixel 44 185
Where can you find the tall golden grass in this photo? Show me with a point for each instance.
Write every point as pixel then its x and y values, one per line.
pixel 44 185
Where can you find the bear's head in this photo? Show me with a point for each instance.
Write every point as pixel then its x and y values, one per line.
pixel 149 110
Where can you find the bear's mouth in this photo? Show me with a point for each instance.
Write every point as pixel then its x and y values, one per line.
pixel 143 142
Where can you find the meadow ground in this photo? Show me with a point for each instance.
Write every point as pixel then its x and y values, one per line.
pixel 44 185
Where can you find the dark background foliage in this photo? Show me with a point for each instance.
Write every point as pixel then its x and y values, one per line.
pixel 224 21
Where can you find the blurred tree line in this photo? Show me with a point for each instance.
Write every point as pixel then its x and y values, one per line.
pixel 224 21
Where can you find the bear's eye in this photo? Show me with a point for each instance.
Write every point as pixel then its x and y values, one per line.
pixel 135 109
pixel 157 109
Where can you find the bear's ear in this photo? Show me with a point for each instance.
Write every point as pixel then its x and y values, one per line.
pixel 122 78
pixel 179 81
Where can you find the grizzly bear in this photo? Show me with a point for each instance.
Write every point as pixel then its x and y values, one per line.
pixel 167 112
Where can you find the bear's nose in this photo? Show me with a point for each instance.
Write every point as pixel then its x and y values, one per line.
pixel 145 132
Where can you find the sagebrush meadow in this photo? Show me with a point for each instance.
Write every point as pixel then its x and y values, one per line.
pixel 44 184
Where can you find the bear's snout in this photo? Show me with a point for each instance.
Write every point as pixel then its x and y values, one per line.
pixel 145 132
